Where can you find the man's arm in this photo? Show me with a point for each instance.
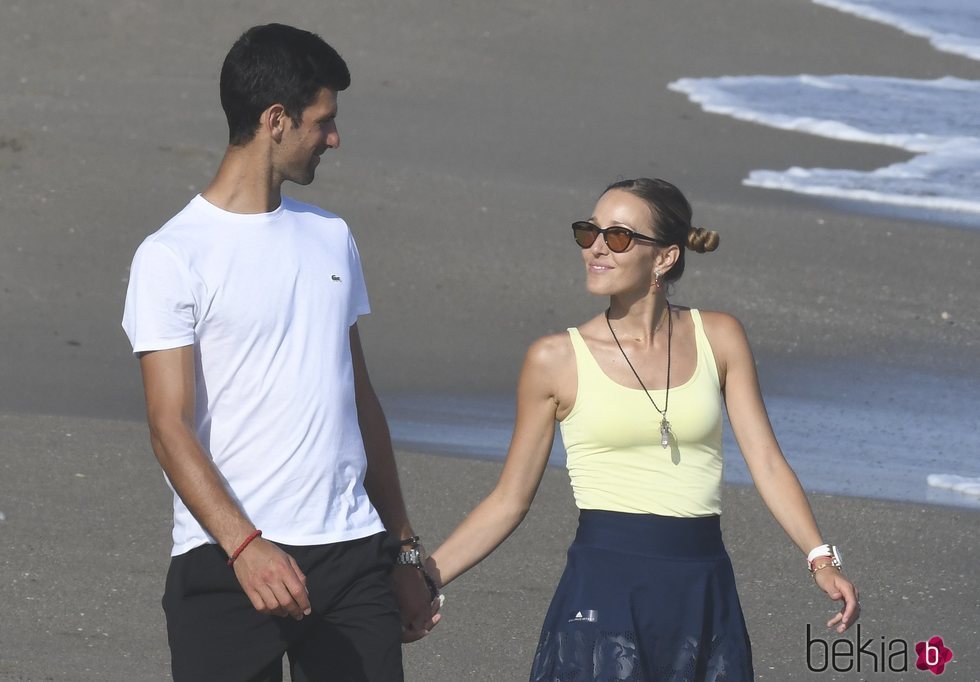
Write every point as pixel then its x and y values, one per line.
pixel 270 577
pixel 384 489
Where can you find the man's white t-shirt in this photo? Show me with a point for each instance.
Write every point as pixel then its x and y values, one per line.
pixel 267 300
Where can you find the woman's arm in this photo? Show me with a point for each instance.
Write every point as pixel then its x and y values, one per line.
pixel 504 508
pixel 775 480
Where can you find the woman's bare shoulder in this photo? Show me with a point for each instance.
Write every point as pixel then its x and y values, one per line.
pixel 721 324
pixel 550 351
pixel 556 351
pixel 727 338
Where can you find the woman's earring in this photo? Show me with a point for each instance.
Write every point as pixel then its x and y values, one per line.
pixel 656 279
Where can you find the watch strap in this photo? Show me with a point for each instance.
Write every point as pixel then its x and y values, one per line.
pixel 830 552
pixel 411 557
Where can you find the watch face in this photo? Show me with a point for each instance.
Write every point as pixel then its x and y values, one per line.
pixel 837 556
pixel 410 558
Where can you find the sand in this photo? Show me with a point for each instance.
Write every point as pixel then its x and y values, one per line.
pixel 84 545
pixel 473 134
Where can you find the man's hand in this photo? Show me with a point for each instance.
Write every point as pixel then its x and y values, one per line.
pixel 272 580
pixel 420 613
pixel 269 576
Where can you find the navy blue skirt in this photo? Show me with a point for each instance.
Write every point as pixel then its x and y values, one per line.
pixel 645 598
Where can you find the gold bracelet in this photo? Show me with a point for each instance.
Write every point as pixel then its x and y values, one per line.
pixel 813 573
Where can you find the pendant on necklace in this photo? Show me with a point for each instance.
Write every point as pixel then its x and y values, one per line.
pixel 664 433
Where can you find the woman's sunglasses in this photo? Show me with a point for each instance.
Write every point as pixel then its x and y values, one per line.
pixel 618 239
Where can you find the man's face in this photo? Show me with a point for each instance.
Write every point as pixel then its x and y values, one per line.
pixel 303 144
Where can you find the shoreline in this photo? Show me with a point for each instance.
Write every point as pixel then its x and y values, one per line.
pixel 851 430
pixel 869 421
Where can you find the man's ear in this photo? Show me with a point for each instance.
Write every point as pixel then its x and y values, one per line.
pixel 274 121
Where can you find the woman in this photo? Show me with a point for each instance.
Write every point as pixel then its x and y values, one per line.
pixel 648 592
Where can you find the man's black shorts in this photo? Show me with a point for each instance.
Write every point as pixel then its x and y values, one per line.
pixel 353 634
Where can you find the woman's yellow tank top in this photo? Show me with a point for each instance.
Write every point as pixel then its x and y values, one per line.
pixel 612 438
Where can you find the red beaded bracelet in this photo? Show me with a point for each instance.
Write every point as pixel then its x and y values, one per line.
pixel 241 547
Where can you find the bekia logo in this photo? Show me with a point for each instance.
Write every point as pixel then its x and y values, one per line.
pixel 878 655
pixel 933 655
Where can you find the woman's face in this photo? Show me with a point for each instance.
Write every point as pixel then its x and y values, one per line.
pixel 607 272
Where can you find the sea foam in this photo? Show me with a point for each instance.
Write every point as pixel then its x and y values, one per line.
pixel 950 25
pixel 960 484
pixel 934 119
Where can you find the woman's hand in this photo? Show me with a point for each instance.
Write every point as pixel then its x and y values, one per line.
pixel 839 588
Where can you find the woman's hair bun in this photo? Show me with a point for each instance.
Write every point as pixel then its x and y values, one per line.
pixel 702 240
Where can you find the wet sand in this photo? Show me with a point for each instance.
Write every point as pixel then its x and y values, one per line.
pixel 472 135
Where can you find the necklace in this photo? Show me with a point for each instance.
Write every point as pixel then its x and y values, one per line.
pixel 664 424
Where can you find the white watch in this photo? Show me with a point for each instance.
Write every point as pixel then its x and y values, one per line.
pixel 824 552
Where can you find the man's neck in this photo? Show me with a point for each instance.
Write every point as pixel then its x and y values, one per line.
pixel 245 182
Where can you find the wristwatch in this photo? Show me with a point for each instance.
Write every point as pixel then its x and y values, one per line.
pixel 411 557
pixel 416 557
pixel 831 552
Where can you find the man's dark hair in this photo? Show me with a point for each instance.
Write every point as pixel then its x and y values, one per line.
pixel 276 64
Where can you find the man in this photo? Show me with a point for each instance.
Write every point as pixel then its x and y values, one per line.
pixel 243 311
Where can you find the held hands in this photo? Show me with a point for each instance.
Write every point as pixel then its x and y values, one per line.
pixel 272 580
pixel 276 586
pixel 420 611
pixel 839 588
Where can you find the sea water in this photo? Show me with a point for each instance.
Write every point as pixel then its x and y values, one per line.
pixel 936 120
pixel 862 431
